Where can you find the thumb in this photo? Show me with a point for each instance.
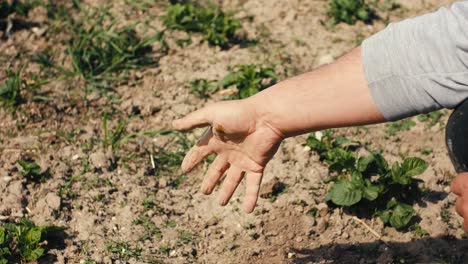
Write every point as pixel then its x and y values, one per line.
pixel 199 118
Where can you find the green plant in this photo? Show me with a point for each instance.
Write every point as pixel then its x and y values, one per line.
pixel 369 181
pixel 203 88
pixel 432 119
pixel 100 50
pixel 112 138
pixel 123 250
pixel 24 239
pixel 249 79
pixel 217 27
pixel 10 90
pixel 349 11
pixel 402 125
pixel 32 171
pixel 150 228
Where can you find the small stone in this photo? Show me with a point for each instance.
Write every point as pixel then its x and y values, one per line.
pixel 212 222
pixel 291 255
pixel 53 201
pixel 299 239
pixel 7 179
pixel 447 189
pixel 345 235
pixel 321 225
pixel 162 183
pixel 326 59
pixel 99 160
pixel 322 209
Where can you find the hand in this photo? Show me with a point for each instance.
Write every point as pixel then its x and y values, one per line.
pixel 460 187
pixel 244 144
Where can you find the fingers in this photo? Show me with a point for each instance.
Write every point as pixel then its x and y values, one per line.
pixel 459 207
pixel 199 118
pixel 216 170
pixel 233 178
pixel 198 152
pixel 459 183
pixel 252 190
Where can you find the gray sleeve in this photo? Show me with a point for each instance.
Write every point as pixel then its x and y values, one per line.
pixel 419 65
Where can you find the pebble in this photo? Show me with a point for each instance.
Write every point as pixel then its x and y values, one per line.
pixel 299 239
pixel 447 189
pixel 99 160
pixel 345 235
pixel 321 225
pixel 322 209
pixel 291 255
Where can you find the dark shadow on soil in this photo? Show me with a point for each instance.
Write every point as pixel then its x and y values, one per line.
pixel 18 24
pixel 444 249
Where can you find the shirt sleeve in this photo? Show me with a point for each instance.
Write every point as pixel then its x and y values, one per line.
pixel 419 65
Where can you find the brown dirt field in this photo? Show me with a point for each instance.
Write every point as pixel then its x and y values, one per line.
pixel 99 194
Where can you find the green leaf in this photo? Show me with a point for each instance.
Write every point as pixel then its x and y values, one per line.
pixel 401 215
pixel 33 254
pixel 371 192
pixel 414 166
pixel 2 236
pixel 34 236
pixel 344 193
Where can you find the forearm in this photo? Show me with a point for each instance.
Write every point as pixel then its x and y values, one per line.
pixel 334 95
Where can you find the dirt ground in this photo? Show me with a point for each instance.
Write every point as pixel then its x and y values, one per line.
pixel 118 208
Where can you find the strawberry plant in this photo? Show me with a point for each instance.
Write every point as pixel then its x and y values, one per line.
pixel 349 11
pixel 217 27
pixel 249 79
pixel 32 171
pixel 24 240
pixel 369 180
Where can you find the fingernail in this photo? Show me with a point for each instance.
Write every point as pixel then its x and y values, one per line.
pixel 222 201
pixel 186 162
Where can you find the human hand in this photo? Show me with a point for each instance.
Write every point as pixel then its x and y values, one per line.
pixel 244 143
pixel 460 187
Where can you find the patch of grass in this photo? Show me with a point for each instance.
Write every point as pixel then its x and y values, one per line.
pixel 402 125
pixel 10 90
pixel 32 171
pixel 432 119
pixel 167 159
pixel 123 250
pixel 249 79
pixel 203 88
pixel 217 27
pixel 419 231
pixel 141 5
pixel 24 240
pixel 349 11
pixel 100 50
pixel 112 138
pixel 151 231
pixel 185 237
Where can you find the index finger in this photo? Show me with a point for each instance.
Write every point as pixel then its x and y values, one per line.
pixel 199 118
pixel 459 183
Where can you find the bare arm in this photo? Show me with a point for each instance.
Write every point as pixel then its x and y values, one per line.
pixel 246 134
pixel 335 95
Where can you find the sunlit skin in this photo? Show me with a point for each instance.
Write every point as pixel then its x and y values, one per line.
pixel 245 134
